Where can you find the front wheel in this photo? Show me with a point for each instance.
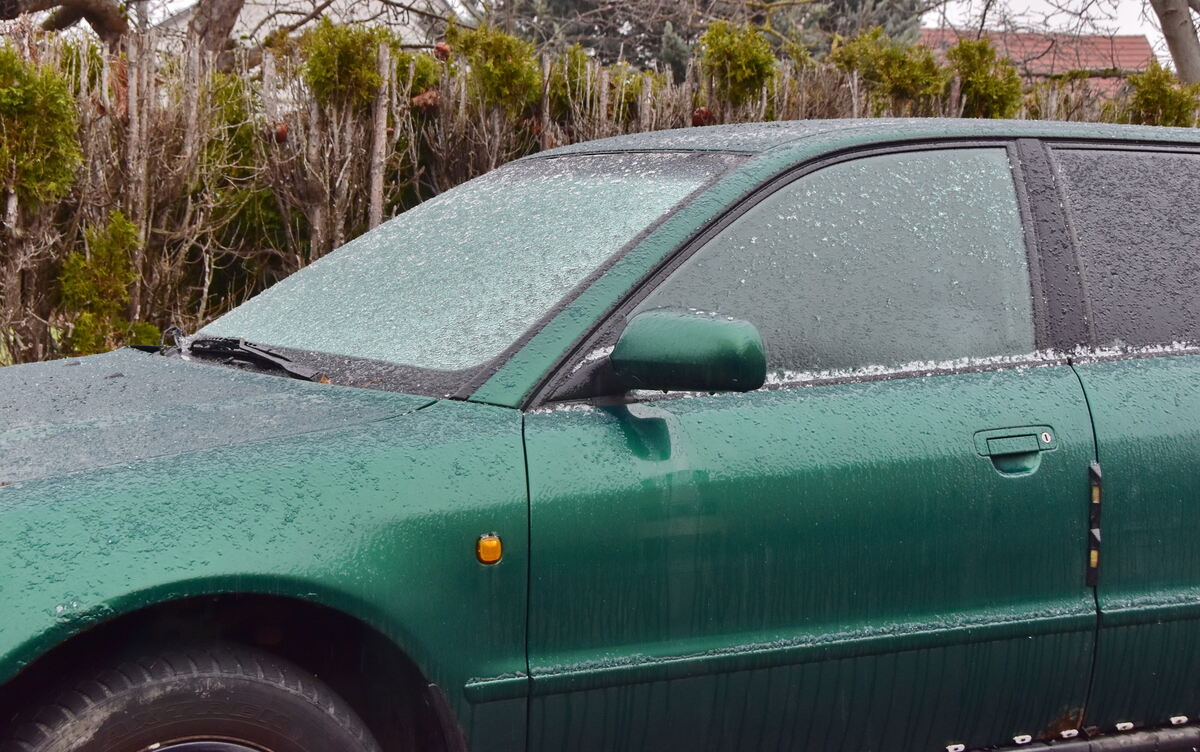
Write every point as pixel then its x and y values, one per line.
pixel 210 698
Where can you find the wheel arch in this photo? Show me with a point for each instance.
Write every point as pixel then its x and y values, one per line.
pixel 365 667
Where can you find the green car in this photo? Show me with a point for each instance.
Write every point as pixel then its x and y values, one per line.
pixel 787 436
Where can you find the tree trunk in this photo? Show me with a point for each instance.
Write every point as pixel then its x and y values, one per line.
pixel 379 139
pixel 136 162
pixel 1182 39
pixel 212 21
pixel 10 211
pixel 544 107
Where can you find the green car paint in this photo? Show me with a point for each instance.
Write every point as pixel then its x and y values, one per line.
pixel 687 351
pixel 839 567
pixel 841 556
pixel 376 519
pixel 1149 591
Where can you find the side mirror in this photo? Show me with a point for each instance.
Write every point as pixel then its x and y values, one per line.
pixel 672 349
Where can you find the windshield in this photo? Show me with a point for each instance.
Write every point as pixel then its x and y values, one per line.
pixel 454 282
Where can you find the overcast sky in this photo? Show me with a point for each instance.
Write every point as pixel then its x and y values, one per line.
pixel 1113 16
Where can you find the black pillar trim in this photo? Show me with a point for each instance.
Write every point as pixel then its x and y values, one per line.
pixel 1058 276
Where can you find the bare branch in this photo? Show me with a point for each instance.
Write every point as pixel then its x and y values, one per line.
pixel 410 8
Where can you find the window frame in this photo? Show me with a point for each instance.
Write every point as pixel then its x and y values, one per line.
pixel 607 328
pixel 1085 345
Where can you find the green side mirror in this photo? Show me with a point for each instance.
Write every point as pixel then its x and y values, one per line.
pixel 672 349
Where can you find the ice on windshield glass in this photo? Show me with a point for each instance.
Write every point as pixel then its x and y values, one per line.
pixel 454 282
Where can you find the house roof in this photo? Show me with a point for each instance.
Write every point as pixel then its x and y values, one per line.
pixel 1050 54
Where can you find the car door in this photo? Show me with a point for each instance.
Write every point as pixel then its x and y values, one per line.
pixel 1134 221
pixel 882 549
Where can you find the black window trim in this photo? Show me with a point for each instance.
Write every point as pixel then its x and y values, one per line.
pixel 1067 315
pixel 608 324
pixel 1087 349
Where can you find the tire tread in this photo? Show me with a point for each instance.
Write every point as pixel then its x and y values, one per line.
pixel 37 730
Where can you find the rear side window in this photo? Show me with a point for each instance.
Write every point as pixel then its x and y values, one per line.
pixel 884 261
pixel 1136 225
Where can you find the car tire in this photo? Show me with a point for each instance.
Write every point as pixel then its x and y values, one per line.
pixel 208 698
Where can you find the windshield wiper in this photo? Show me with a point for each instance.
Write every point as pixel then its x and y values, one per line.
pixel 232 350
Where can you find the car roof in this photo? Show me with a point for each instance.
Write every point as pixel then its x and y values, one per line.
pixel 756 138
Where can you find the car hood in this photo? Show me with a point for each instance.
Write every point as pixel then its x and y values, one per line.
pixel 68 416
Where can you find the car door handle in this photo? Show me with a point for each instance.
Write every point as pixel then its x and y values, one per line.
pixel 1016 450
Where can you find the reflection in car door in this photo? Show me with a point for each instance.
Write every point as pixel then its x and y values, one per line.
pixel 882 551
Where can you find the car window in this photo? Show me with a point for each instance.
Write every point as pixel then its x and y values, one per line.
pixel 877 262
pixel 456 281
pixel 1138 233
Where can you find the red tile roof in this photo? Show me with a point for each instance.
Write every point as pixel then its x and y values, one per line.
pixel 1038 55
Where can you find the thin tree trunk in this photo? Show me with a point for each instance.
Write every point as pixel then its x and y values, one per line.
pixel 269 88
pixel 379 139
pixel 141 101
pixel 645 104
pixel 206 288
pixel 1182 40
pixel 191 103
pixel 13 253
pixel 11 205
pixel 602 103
pixel 133 155
pixel 317 191
pixel 341 173
pixel 544 139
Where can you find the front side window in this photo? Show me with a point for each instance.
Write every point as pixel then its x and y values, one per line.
pixel 884 261
pixel 456 281
pixel 1136 227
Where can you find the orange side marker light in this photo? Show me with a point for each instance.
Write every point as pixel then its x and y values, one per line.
pixel 489 548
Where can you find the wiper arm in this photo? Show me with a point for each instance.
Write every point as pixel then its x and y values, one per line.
pixel 230 349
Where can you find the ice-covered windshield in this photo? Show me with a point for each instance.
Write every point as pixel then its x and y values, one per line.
pixel 456 281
